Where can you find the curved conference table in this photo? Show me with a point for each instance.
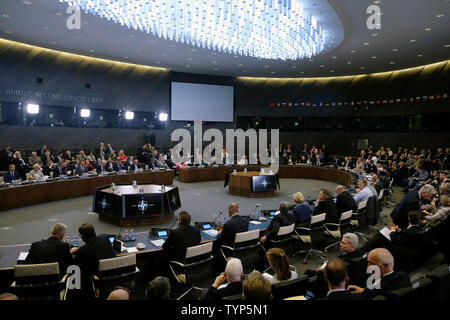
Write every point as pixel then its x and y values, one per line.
pixel 40 192
pixel 196 174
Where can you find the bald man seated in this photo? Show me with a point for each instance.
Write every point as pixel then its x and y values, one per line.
pixel 344 201
pixel 235 224
pixel 390 280
pixel 119 294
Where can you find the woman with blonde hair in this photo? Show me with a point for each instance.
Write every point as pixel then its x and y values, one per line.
pixel 35 173
pixel 302 211
pixel 278 261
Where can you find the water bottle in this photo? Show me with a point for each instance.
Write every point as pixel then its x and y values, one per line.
pixel 126 236
pixel 132 235
pixel 134 184
pixel 245 170
pixel 234 171
pixel 75 241
pixel 68 240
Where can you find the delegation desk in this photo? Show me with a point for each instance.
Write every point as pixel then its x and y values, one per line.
pixel 40 192
pixel 10 254
pixel 196 174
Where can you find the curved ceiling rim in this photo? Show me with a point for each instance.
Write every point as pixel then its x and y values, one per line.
pixel 82 56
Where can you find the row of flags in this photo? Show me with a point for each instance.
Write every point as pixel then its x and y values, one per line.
pixel 363 102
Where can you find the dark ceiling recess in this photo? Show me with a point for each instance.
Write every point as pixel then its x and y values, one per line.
pixel 87 86
pixel 39 80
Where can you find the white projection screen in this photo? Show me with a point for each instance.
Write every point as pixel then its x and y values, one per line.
pixel 201 102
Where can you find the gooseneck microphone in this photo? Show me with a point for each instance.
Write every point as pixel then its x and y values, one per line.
pixel 252 214
pixel 171 227
pixel 214 221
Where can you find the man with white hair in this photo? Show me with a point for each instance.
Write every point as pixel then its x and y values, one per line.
pixel 233 276
pixel 412 201
pixel 349 247
pixel 389 279
pixel 53 249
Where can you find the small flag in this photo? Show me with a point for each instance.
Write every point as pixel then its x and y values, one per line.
pixel 391 100
pixel 445 96
pixel 371 102
pixel 302 104
pixel 378 101
pixel 405 100
pixel 272 104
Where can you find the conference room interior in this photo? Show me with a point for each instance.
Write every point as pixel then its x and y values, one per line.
pixel 342 96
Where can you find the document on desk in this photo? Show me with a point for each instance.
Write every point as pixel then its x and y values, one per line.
pixel 22 256
pixel 211 232
pixel 386 232
pixel 131 249
pixel 255 222
pixel 157 243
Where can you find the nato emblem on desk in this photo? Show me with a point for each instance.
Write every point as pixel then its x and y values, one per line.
pixel 263 183
pixel 142 205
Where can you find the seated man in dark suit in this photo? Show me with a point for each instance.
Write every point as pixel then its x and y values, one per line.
pixel 53 249
pixel 181 238
pixel 87 257
pixel 410 238
pixel 349 249
pixel 344 201
pixel 235 224
pixel 325 204
pixel 284 218
pixel 390 280
pixel 12 174
pixel 233 276
pixel 337 279
pixel 412 201
pixel 6 157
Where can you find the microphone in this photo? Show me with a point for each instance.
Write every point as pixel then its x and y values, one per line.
pixel 253 214
pixel 214 221
pixel 173 224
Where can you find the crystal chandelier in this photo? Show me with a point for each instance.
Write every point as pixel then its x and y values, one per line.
pixel 268 29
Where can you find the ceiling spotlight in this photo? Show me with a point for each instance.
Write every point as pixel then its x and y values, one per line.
pixel 427 29
pixel 163 117
pixel 439 15
pixel 412 40
pixel 33 108
pixel 374 57
pixel 366 43
pixel 129 115
pixel 395 50
pixel 85 113
pixel 420 55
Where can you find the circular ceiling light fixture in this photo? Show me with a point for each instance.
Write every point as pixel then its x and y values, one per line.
pixel 268 29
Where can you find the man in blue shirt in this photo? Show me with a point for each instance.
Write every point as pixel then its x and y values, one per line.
pixel 364 192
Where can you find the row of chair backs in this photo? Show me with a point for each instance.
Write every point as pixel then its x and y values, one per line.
pixel 28 274
pixel 290 288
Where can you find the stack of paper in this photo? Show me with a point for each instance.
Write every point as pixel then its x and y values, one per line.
pixel 157 243
pixel 211 232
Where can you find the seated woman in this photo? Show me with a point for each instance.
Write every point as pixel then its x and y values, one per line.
pixel 279 262
pixel 441 214
pixel 302 211
pixel 89 166
pixel 36 173
pixel 122 156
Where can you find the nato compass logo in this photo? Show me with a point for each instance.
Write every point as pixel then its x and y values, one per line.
pixel 104 204
pixel 143 205
pixel 265 183
pixel 174 200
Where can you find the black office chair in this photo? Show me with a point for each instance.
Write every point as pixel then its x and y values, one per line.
pixel 359 221
pixel 441 280
pixel 114 272
pixel 290 288
pixel 283 239
pixel 314 236
pixel 419 290
pixel 197 267
pixel 343 227
pixel 357 271
pixel 246 248
pixel 39 282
